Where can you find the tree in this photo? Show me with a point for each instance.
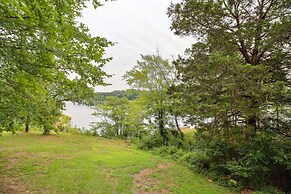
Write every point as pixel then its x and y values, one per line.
pixel 135 120
pixel 242 54
pixel 114 113
pixel 120 117
pixel 155 76
pixel 63 124
pixel 46 58
pixel 235 84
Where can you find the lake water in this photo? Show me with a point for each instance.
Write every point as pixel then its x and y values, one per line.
pixel 81 116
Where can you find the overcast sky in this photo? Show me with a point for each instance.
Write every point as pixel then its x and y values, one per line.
pixel 137 27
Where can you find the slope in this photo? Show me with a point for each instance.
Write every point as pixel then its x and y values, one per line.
pixel 74 163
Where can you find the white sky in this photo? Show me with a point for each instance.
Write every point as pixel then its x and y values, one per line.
pixel 138 27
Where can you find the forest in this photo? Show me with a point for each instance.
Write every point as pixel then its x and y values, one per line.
pixel 232 86
pixel 129 94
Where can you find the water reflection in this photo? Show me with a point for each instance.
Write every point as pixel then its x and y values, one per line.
pixel 81 115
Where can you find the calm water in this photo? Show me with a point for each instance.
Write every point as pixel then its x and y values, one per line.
pixel 81 115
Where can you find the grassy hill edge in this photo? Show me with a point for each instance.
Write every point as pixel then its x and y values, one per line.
pixel 75 163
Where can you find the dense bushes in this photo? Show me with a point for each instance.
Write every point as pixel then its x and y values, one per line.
pixel 232 159
pixel 251 161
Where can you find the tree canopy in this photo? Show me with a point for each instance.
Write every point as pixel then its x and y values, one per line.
pixel 120 117
pixel 234 84
pixel 46 58
pixel 155 76
pixel 240 66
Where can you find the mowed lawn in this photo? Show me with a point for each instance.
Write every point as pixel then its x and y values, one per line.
pixel 75 163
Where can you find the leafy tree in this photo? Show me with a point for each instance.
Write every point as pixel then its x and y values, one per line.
pixel 235 84
pixel 114 112
pixel 63 124
pixel 155 76
pixel 240 66
pixel 136 118
pixel 120 117
pixel 47 58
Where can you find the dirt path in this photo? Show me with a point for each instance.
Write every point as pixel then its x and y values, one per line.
pixel 145 182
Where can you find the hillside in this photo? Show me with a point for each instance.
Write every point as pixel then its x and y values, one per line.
pixel 73 163
pixel 130 94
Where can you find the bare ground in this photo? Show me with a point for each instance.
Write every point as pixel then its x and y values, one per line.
pixel 145 183
pixel 9 185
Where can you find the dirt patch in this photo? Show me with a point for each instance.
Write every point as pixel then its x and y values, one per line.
pixel 49 161
pixel 145 183
pixel 164 165
pixel 247 191
pixel 13 160
pixel 12 185
pixel 49 137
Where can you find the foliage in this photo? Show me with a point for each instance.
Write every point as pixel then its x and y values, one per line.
pixel 155 75
pixel 251 163
pixel 120 118
pixel 129 94
pixel 47 58
pixel 234 85
pixel 240 68
pixel 149 142
pixel 63 124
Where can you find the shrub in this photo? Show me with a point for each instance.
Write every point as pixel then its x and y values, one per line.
pixel 196 160
pixel 151 141
pixel 231 158
pixel 251 162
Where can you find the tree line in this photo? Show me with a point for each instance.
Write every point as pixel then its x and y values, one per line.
pixel 129 94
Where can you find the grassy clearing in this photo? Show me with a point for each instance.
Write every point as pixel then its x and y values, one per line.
pixel 72 163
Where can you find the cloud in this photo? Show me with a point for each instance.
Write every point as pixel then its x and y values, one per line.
pixel 139 27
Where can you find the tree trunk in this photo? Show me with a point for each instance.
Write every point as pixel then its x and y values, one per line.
pixel 178 127
pixel 46 131
pixel 27 124
pixel 161 124
pixel 26 127
pixel 252 122
pixel 252 119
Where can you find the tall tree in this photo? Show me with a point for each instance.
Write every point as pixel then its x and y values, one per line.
pixel 155 76
pixel 241 61
pixel 46 54
pixel 235 84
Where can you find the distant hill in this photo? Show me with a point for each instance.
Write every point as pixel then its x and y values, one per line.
pixel 130 94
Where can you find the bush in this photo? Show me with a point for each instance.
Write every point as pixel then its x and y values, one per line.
pixel 196 160
pixel 74 130
pixel 251 162
pixel 231 158
pixel 149 142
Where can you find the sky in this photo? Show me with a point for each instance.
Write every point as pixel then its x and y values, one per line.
pixel 137 27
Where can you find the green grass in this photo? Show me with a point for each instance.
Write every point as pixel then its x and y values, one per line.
pixel 74 163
